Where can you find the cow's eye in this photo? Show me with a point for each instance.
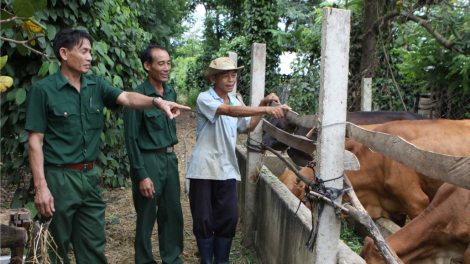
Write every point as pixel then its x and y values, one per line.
pixel 376 249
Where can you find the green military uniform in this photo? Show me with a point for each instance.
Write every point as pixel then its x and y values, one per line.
pixel 146 131
pixel 72 123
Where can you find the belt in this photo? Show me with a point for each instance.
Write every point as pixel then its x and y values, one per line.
pixel 88 166
pixel 169 149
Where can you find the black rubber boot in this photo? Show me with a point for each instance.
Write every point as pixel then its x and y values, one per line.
pixel 206 249
pixel 222 250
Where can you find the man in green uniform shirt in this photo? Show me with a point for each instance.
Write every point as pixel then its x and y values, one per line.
pixel 150 137
pixel 64 117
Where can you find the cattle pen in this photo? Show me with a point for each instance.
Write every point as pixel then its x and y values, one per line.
pixel 274 223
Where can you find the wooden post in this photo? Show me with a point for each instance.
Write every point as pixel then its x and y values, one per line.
pixel 234 57
pixel 332 110
pixel 366 94
pixel 258 70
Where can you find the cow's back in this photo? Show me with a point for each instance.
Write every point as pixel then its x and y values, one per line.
pixel 380 117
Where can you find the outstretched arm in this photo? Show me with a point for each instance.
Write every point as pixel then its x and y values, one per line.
pixel 138 101
pixel 254 112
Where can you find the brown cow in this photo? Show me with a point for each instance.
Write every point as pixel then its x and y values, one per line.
pixel 386 188
pixel 440 234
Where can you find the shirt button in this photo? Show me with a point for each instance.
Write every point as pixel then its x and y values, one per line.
pixel 85 150
pixel 83 114
pixel 65 113
pixel 98 110
pixel 85 132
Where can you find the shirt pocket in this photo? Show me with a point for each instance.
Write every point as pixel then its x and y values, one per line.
pixel 95 116
pixel 62 118
pixel 155 119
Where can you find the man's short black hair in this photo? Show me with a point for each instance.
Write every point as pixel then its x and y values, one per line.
pixel 68 38
pixel 146 54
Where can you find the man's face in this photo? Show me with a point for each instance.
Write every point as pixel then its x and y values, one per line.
pixel 78 59
pixel 225 81
pixel 161 65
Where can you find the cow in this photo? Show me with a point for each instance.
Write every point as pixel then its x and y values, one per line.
pixel 359 118
pixel 389 189
pixel 440 234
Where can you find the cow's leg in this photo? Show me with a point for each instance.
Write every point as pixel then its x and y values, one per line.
pixel 406 188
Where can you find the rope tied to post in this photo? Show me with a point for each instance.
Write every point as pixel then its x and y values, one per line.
pixel 318 186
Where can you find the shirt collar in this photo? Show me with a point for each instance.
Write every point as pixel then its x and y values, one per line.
pixel 217 97
pixel 62 81
pixel 150 90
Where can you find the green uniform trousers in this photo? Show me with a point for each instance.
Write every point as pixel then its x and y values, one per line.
pixel 79 215
pixel 162 169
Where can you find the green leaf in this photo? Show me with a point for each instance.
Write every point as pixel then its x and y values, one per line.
pixel 102 68
pixel 24 136
pixel 115 182
pixel 114 220
pixel 110 173
pixel 109 60
pixel 32 208
pixel 3 61
pixel 119 68
pixel 21 49
pixel 18 162
pixel 115 163
pixel 4 15
pixel 100 51
pixel 53 67
pixel 12 94
pixel 103 158
pixel 103 47
pixel 106 29
pixel 44 68
pixel 4 120
pixel 20 96
pixel 117 81
pixel 16 204
pixel 51 32
pixel 399 21
pixel 98 169
pixel 23 8
pixel 38 5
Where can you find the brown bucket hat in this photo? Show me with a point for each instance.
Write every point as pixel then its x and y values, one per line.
pixel 219 65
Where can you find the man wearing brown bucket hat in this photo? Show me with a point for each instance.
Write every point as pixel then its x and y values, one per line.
pixel 213 168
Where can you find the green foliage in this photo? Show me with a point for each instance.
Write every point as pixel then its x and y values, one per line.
pixel 347 235
pixel 192 98
pixel 118 40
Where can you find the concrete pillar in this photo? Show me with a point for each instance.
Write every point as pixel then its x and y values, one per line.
pixel 332 109
pixel 258 71
pixel 366 94
pixel 234 57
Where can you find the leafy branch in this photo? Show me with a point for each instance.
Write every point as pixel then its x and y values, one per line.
pixel 383 22
pixel 23 43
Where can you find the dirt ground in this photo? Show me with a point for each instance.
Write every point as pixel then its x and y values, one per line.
pixel 121 216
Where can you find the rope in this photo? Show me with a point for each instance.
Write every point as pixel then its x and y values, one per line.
pixel 260 149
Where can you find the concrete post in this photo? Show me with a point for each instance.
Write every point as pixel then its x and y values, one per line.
pixel 366 94
pixel 332 110
pixel 258 71
pixel 234 57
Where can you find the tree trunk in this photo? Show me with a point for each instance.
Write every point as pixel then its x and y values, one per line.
pixel 368 45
